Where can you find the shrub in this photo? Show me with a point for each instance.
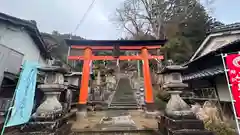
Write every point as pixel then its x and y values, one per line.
pixel 219 128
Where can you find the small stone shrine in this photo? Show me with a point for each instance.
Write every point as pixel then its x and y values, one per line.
pixel 73 80
pixel 178 118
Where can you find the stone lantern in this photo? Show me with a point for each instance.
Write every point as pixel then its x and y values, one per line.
pixel 53 85
pixel 49 115
pixel 178 118
pixel 172 83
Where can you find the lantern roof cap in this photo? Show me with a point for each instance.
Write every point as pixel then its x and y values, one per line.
pixel 172 68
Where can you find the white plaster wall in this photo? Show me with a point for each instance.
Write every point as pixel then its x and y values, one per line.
pixel 19 40
pixel 222 88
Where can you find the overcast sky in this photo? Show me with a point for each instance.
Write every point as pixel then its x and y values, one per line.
pixel 64 15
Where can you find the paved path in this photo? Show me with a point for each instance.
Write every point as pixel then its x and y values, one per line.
pixel 121 119
pixel 115 120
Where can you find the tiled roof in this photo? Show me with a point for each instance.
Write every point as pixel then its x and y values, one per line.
pixel 204 73
pixel 224 28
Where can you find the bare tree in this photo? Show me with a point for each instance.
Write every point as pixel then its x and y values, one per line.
pixel 150 17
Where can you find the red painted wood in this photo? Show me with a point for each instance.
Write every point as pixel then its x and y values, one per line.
pixel 111 47
pixel 113 58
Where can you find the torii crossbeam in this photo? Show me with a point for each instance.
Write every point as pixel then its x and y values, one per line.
pixel 83 50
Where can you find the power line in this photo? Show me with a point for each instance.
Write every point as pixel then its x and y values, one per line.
pixel 84 16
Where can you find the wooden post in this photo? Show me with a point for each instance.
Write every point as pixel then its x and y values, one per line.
pixel 83 96
pixel 147 80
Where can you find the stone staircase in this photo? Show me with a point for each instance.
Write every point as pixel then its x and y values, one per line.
pixel 124 96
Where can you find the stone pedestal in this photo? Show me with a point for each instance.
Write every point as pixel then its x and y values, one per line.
pixel 81 115
pixel 179 119
pixel 171 126
pixel 177 108
pixel 51 108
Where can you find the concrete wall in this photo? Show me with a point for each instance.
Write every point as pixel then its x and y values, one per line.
pixel 19 40
pixel 222 88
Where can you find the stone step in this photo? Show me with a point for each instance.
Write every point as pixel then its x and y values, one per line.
pixel 124 103
pixel 189 132
pixel 124 96
pixel 116 132
pixel 124 99
pixel 182 124
pixel 123 107
pixel 131 97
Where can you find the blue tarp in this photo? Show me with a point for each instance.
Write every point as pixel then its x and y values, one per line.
pixel 24 95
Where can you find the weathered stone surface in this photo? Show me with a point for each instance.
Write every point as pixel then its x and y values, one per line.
pixel 107 96
pixel 153 115
pixel 177 107
pixel 124 95
pixel 111 82
pixel 171 126
pixel 182 124
pixel 59 126
pixel 137 83
pixel 73 78
pixel 117 120
pixel 81 115
pixel 56 69
pixel 49 108
pixel 190 132
pixel 130 132
pixel 140 96
pixel 62 130
pixel 177 86
pixel 98 107
pixel 97 95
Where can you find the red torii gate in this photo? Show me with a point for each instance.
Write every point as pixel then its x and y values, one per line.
pixel 115 45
